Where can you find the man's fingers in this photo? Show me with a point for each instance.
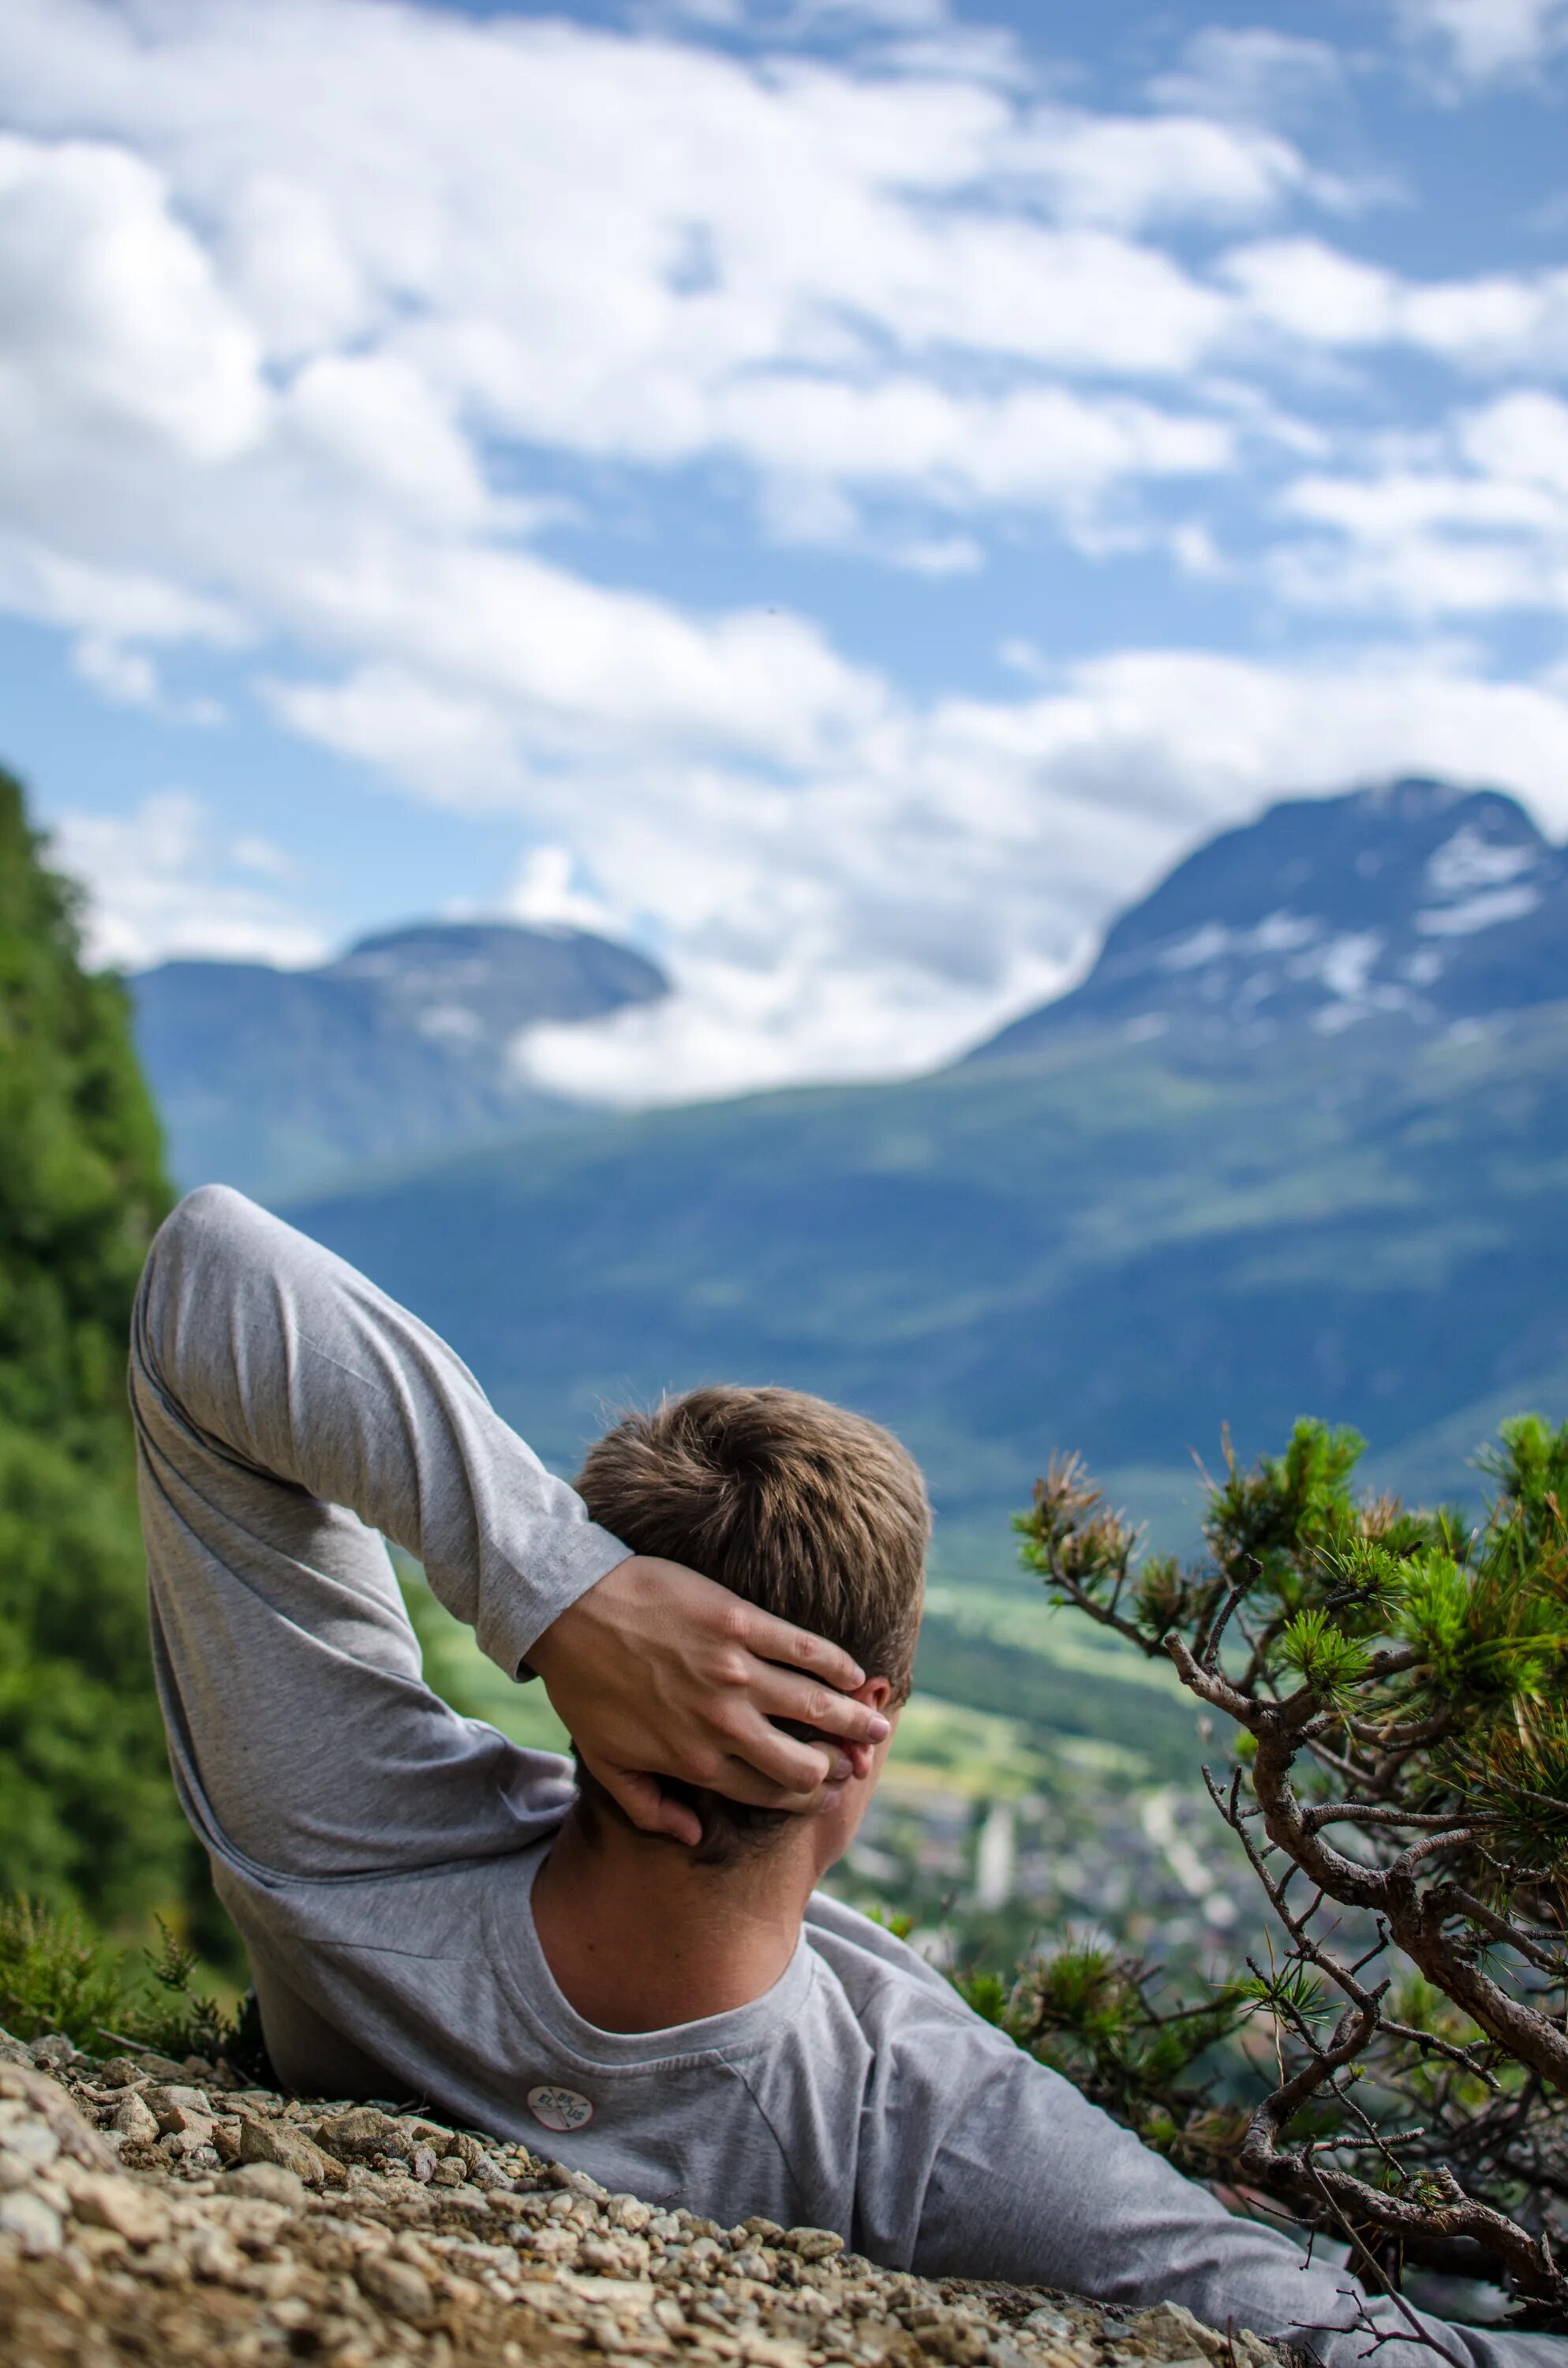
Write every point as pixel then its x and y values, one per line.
pixel 772 1639
pixel 781 1693
pixel 649 1807
pixel 780 1760
pixel 740 1782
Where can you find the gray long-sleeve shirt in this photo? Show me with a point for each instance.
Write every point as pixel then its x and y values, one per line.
pixel 377 1851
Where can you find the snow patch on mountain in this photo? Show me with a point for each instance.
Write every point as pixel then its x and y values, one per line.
pixel 1414 903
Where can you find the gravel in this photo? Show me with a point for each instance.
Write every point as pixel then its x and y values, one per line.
pixel 155 2211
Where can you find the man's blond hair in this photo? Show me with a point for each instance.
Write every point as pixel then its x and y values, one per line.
pixel 809 1511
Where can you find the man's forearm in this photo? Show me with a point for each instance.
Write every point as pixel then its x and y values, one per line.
pixel 301 1368
pixel 1038 2186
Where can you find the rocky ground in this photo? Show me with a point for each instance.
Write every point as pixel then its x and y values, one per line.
pixel 155 2211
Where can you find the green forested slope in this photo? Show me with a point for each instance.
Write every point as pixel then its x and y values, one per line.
pixel 1094 1251
pixel 86 1811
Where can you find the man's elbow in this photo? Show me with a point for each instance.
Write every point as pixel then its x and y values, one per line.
pixel 206 1237
pixel 211 1222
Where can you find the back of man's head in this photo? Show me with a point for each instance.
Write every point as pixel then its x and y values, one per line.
pixel 815 1514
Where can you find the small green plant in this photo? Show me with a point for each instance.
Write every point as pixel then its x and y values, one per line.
pixel 56 1973
pixel 1393 1685
pixel 179 2019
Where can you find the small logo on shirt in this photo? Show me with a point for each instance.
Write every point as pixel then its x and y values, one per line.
pixel 560 2109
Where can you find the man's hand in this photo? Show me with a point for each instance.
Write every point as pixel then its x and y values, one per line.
pixel 657 1672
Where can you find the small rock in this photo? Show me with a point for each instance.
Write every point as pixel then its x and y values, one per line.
pixel 1050 2325
pixel 29 2095
pixel 397 2286
pixel 600 2255
pixel 177 2108
pixel 35 2224
pixel 1243 2344
pixel 360 2132
pixel 1170 2332
pixel 268 2183
pixel 814 2244
pixel 154 2066
pixel 950 2335
pixel 193 2141
pixel 25 2148
pixel 553 2244
pixel 119 2073
pixel 278 2143
pixel 255 2224
pixel 135 2122
pixel 104 2201
pixel 54 2050
pixel 215 2256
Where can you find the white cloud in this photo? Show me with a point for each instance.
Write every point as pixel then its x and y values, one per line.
pixel 1250 75
pixel 313 269
pixel 162 881
pixel 1474 522
pixel 1480 42
pixel 113 322
pixel 126 677
pixel 326 280
pixel 1522 437
pixel 1050 445
pixel 372 421
pixel 551 889
pixel 1313 291
pixel 127 603
pixel 469 633
pixel 955 865
pixel 1130 171
pixel 1308 291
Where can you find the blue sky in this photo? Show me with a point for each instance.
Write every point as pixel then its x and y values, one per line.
pixel 842 492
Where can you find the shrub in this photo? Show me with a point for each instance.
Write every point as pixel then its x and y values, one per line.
pixel 1394 1684
pixel 58 1975
pixel 88 1814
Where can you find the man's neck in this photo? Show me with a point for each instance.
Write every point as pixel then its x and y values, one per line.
pixel 639 1939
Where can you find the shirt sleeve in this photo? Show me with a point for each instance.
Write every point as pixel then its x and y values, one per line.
pixel 1035 2185
pixel 282 1404
pixel 304 1371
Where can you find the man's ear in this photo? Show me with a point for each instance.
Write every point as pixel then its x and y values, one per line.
pixel 876 1693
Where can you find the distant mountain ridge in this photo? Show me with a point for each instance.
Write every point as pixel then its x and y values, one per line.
pixel 1331 1184
pixel 1413 905
pixel 406 1045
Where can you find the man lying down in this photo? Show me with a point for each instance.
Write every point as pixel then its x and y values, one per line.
pixel 641 1979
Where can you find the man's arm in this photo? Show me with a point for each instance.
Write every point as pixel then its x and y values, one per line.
pixel 1035 2185
pixel 266 1346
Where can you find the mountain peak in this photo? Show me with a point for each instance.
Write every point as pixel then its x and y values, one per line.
pixel 1411 902
pixel 487 979
pixel 408 1042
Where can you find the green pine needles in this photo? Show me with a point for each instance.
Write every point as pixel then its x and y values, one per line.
pixel 1394 1688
